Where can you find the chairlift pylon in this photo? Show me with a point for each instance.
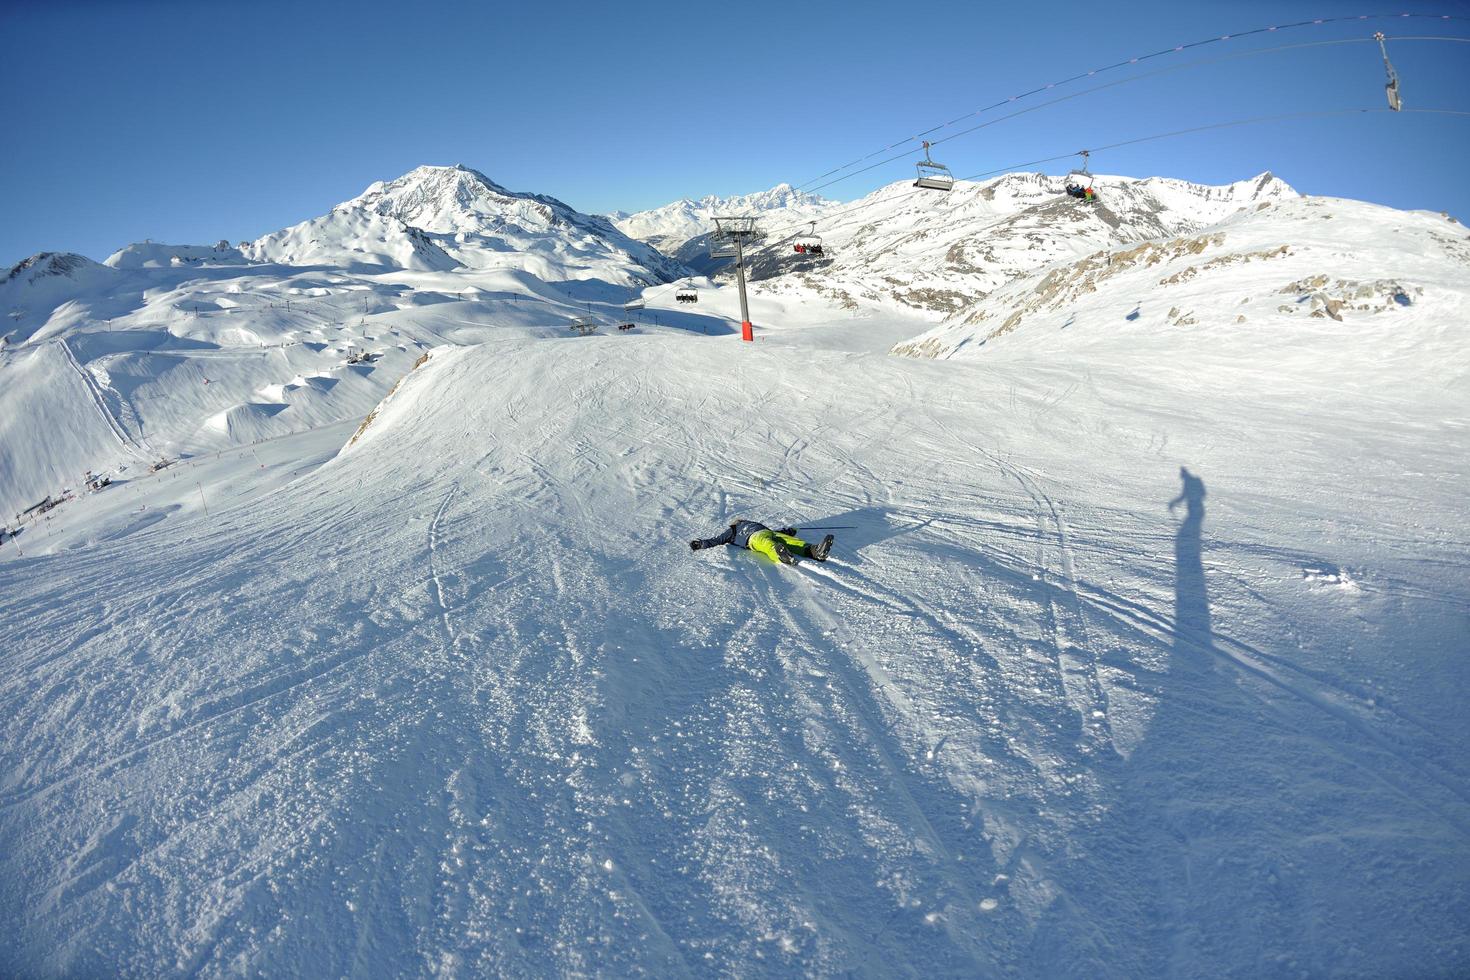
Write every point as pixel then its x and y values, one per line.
pixel 1079 180
pixel 731 233
pixel 931 175
pixel 1391 89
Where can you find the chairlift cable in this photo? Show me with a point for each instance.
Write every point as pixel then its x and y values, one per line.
pixel 1316 22
pixel 907 155
pixel 1010 168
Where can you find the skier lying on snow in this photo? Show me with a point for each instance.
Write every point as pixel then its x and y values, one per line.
pixel 779 545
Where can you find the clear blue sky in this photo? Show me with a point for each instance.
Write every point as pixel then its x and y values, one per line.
pixel 193 121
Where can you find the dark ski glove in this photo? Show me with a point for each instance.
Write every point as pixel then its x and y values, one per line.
pixel 694 546
pixel 787 530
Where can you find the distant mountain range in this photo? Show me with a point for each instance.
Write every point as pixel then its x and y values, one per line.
pixel 188 348
pixel 670 227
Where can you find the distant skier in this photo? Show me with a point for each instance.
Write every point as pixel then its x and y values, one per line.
pixel 778 545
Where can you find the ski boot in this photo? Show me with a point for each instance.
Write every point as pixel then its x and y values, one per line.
pixel 783 552
pixel 818 551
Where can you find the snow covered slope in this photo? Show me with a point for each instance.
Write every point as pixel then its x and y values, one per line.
pixel 935 254
pixel 36 295
pixel 460 700
pixel 186 349
pixel 670 227
pixel 50 408
pixel 1327 266
pixel 356 240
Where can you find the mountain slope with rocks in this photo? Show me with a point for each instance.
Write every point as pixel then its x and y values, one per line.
pixel 1284 265
pixel 935 254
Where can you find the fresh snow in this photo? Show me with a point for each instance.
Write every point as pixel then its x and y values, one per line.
pixel 424 678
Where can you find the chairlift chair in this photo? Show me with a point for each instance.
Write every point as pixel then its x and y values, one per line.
pixel 1079 180
pixel 584 325
pixel 721 247
pixel 808 244
pixel 933 176
pixel 687 294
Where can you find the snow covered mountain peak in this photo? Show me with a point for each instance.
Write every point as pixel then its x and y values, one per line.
pixel 455 199
pixel 33 289
pixel 45 264
pixel 783 195
pixel 437 218
pixel 670 226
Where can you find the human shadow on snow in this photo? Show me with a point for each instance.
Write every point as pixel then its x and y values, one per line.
pixel 1236 833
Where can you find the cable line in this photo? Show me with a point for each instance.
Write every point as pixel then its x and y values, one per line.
pixel 907 155
pixel 1316 22
pixel 1010 168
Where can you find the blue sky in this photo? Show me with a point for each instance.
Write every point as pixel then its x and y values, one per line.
pixel 194 121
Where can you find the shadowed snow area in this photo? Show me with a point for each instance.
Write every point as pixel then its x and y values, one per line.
pixel 461 700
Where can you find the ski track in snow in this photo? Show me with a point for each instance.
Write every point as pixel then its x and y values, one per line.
pixel 435 576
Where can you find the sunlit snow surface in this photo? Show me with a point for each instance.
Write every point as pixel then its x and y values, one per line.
pixel 458 699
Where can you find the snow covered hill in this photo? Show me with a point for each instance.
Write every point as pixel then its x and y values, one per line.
pixel 38 294
pixel 458 699
pixel 669 228
pixel 936 254
pixel 1294 264
pixel 175 349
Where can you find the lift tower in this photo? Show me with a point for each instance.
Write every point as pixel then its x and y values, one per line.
pixel 739 231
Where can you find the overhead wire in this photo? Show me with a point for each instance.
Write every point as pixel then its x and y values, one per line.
pixel 1315 22
pixel 1010 168
pixel 907 155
